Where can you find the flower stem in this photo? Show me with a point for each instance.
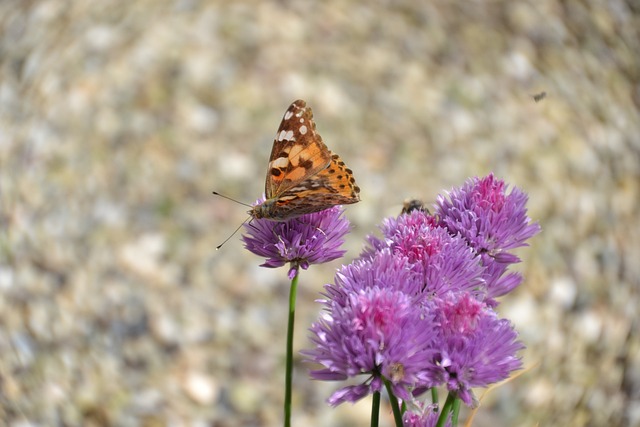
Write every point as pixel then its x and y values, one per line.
pixel 397 415
pixel 456 412
pixel 446 409
pixel 375 409
pixel 293 290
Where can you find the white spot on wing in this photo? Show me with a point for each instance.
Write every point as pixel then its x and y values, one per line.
pixel 286 134
pixel 302 188
pixel 288 115
pixel 303 129
pixel 280 162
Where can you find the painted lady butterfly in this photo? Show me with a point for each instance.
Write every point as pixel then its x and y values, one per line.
pixel 303 175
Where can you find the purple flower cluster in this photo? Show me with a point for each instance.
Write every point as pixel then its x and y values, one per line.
pixel 416 309
pixel 371 327
pixel 314 238
pixel 475 347
pixel 492 222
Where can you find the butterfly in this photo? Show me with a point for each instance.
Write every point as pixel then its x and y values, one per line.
pixel 303 175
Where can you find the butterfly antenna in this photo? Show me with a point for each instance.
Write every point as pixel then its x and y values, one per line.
pixel 233 200
pixel 232 234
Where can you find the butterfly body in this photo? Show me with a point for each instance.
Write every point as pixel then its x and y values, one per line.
pixel 303 175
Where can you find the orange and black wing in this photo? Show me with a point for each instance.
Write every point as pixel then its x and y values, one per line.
pixel 298 151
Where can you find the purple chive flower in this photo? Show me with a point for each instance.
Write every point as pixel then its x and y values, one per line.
pixel 475 347
pixel 442 262
pixel 377 332
pixel 492 222
pixel 381 270
pixel 423 417
pixel 308 239
pixel 416 307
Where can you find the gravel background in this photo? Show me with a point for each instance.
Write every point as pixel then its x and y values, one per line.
pixel 118 119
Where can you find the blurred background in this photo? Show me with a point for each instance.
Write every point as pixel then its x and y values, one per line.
pixel 118 119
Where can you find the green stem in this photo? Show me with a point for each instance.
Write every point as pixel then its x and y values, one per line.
pixel 375 409
pixel 397 415
pixel 456 412
pixel 289 364
pixel 448 405
pixel 434 395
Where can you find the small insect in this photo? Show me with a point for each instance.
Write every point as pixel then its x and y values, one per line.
pixel 303 176
pixel 539 96
pixel 411 205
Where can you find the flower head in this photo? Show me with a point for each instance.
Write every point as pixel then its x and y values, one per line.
pixel 309 239
pixel 442 262
pixel 377 332
pixel 475 347
pixel 493 222
pixel 381 270
pixel 419 416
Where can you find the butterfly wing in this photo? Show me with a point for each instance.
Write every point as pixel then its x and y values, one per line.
pixel 298 151
pixel 333 185
pixel 303 175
